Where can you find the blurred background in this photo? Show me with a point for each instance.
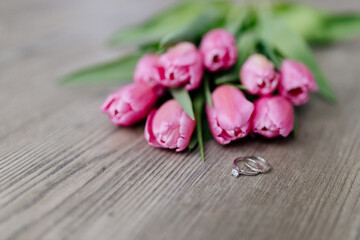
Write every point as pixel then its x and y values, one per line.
pixel 42 40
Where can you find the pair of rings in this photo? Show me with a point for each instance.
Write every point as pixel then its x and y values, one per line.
pixel 255 164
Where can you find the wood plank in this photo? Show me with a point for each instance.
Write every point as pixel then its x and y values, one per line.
pixel 67 173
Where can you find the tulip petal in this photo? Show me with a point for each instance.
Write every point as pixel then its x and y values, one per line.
pixel 187 126
pixel 233 110
pixel 215 129
pixel 180 65
pixel 169 127
pixel 273 117
pixel 149 136
pixel 129 104
pixel 107 103
pixel 229 119
pixel 218 50
pixel 296 82
pixel 258 75
pixel 196 74
pixel 146 71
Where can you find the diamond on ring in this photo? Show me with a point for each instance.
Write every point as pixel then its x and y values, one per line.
pixel 235 172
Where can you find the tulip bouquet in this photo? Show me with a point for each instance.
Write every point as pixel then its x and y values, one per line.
pixel 219 69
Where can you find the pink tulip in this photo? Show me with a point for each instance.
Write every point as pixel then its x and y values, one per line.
pixel 181 65
pixel 169 127
pixel 258 75
pixel 273 117
pixel 218 50
pixel 129 104
pixel 146 72
pixel 229 119
pixel 296 82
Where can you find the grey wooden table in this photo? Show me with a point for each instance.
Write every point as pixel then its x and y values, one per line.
pixel 67 173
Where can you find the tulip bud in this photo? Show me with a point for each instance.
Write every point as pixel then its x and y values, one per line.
pixel 146 72
pixel 181 65
pixel 129 104
pixel 296 82
pixel 169 127
pixel 258 75
pixel 218 50
pixel 273 117
pixel 229 119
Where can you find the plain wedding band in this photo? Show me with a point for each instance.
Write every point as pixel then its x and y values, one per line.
pixel 262 166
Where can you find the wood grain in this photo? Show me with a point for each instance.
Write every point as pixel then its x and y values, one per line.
pixel 67 173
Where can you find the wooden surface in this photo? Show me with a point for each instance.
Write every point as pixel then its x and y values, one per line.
pixel 67 173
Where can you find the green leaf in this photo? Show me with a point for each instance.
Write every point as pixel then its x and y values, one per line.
pixel 339 27
pixel 227 78
pixel 183 98
pixel 274 32
pixel 211 17
pixel 198 107
pixel 271 54
pixel 246 45
pixel 207 91
pixel 157 27
pixel 207 135
pixel 120 70
pixel 236 18
pixel 317 26
pixel 241 18
pixel 239 86
pixel 193 142
pixel 304 19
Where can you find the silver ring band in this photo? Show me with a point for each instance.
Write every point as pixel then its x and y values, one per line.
pixel 236 171
pixel 255 164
